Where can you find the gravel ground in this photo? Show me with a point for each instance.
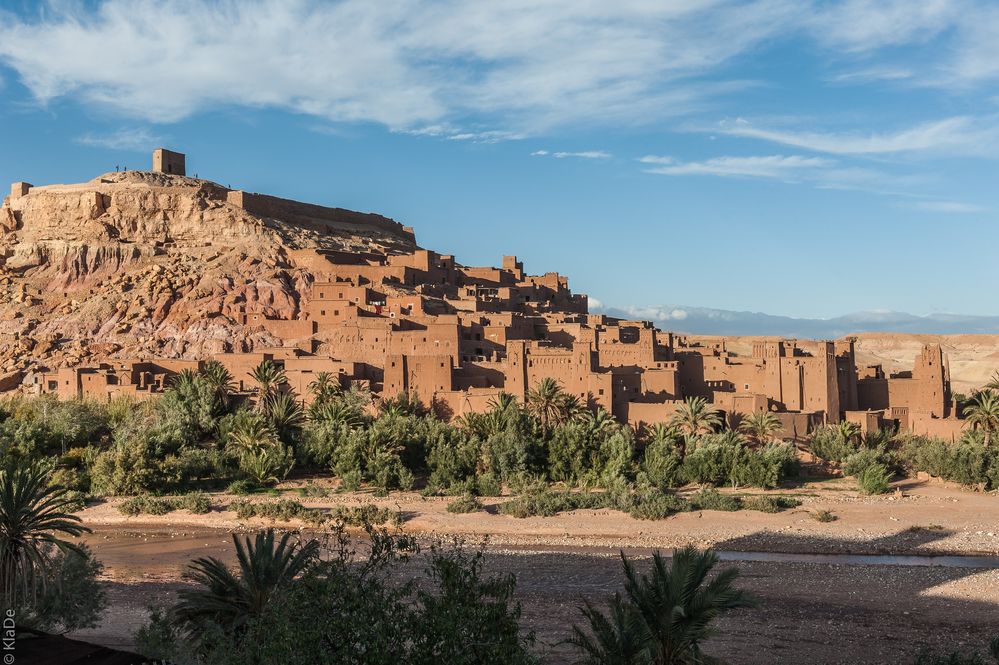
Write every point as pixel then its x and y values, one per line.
pixel 811 613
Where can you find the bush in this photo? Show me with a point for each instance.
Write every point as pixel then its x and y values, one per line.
pixel 725 459
pixel 711 499
pixel 661 465
pixel 829 444
pixel 546 502
pixel 464 504
pixel 287 510
pixel 452 460
pixel 769 504
pixel 378 611
pixel 865 457
pixel 488 485
pixel 145 505
pixel 824 516
pixel 195 502
pixel 874 479
pixel 654 504
pixel 241 487
pixel 968 462
pixel 71 597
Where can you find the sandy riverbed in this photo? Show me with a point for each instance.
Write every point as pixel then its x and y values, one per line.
pixel 812 612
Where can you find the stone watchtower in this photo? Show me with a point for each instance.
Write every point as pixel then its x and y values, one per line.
pixel 167 161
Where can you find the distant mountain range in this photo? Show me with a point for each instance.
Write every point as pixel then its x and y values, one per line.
pixel 706 321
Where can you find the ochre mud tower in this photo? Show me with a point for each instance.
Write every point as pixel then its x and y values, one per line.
pixel 168 161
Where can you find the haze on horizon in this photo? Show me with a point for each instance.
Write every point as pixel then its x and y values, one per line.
pixel 808 159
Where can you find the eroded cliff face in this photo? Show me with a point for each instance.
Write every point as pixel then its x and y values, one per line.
pixel 145 264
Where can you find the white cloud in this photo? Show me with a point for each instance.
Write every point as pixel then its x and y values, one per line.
pixel 656 159
pixel 874 74
pixel 656 313
pixel 779 167
pixel 946 207
pixel 134 139
pixel 482 71
pixel 593 303
pixel 955 135
pixel 585 154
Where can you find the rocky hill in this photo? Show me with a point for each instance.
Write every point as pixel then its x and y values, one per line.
pixel 145 264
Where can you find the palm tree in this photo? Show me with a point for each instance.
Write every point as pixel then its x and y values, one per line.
pixel 337 413
pixel 660 433
pixel 983 411
pixel 848 431
pixel 503 401
pixel 325 387
pixel 695 416
pixel 184 381
pixel 574 409
pixel 600 422
pixel 993 383
pixel 617 640
pixel 269 379
pixel 665 615
pixel 286 415
pixel 251 434
pixel 228 600
pixel 32 517
pixel 546 402
pixel 218 377
pixel 760 425
pixel 267 466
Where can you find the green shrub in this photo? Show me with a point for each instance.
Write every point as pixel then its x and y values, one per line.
pixel 195 502
pixel 654 504
pixel 145 504
pixel 488 485
pixel 351 481
pixel 452 459
pixel 311 490
pixel 863 458
pixel 724 459
pixel 828 443
pixel 712 499
pixel 286 510
pixel 968 462
pixel 769 504
pixel 464 504
pixel 874 479
pixel 77 500
pixel 546 503
pixel 241 487
pixel 662 465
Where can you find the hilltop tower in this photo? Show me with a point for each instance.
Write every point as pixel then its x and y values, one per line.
pixel 168 161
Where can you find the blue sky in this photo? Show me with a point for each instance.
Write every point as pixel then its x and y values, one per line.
pixel 797 157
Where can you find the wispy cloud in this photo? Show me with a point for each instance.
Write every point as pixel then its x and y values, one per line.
pixel 453 133
pixel 945 207
pixel 874 74
pixel 135 139
pixel 955 135
pixel 523 65
pixel 585 154
pixel 779 167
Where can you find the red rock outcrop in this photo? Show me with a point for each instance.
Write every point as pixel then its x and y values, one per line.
pixel 149 264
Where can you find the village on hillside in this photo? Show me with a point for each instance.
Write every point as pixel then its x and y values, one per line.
pixel 456 337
